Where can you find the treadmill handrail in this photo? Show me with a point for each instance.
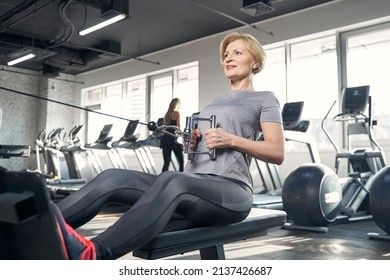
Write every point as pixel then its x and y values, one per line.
pixel 326 132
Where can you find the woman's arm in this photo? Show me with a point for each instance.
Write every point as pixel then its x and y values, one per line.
pixel 270 150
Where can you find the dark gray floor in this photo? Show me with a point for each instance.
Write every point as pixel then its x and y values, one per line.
pixel 341 242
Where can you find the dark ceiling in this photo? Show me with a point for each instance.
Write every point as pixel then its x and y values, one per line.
pixel 50 28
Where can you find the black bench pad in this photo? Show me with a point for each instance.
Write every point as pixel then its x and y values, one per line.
pixel 210 240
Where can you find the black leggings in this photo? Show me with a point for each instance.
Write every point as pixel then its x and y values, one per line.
pixel 167 154
pixel 154 200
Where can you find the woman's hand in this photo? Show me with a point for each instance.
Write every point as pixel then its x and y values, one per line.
pixel 217 138
pixel 194 139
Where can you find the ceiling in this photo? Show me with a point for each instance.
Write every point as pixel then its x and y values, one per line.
pixel 50 28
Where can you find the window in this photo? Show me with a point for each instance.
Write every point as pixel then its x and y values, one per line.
pixel 313 75
pixel 187 89
pixel 93 100
pixel 133 99
pixel 94 96
pixel 307 73
pixel 134 104
pixel 313 78
pixel 273 76
pixel 182 84
pixel 161 93
pixel 112 105
pixel 366 64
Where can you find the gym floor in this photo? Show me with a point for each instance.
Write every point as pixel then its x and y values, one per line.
pixel 341 242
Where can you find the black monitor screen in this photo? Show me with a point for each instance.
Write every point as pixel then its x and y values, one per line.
pixel 291 114
pixel 130 129
pixel 355 100
pixel 104 133
pixel 76 130
pixel 55 133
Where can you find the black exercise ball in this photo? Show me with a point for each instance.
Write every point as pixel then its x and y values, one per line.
pixel 380 198
pixel 311 195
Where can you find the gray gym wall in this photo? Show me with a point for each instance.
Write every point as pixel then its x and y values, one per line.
pixel 24 116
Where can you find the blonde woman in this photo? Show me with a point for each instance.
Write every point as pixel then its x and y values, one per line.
pixel 208 192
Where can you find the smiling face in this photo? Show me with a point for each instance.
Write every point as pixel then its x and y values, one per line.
pixel 242 56
pixel 238 63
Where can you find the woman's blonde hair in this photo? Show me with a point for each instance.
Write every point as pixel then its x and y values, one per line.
pixel 251 44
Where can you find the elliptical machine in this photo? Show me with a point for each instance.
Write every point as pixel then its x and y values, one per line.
pixel 314 196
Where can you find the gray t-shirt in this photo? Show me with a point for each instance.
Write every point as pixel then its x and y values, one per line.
pixel 239 113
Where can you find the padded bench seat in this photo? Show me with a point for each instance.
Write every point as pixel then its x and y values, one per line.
pixel 210 240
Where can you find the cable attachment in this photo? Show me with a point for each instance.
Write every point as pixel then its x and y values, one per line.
pixel 191 123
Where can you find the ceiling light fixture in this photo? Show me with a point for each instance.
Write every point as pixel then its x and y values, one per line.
pixel 24 53
pixel 111 11
pixel 102 24
pixel 20 59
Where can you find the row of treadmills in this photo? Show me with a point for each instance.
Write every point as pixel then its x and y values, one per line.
pixel 67 164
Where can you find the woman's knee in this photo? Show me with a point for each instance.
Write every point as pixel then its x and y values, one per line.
pixel 172 180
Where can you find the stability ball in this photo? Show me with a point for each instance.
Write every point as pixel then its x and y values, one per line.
pixel 311 195
pixel 380 198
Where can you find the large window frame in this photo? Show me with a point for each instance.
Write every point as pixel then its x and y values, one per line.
pixel 362 51
pixel 272 79
pixel 137 98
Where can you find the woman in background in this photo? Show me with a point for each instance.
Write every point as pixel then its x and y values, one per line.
pixel 170 144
